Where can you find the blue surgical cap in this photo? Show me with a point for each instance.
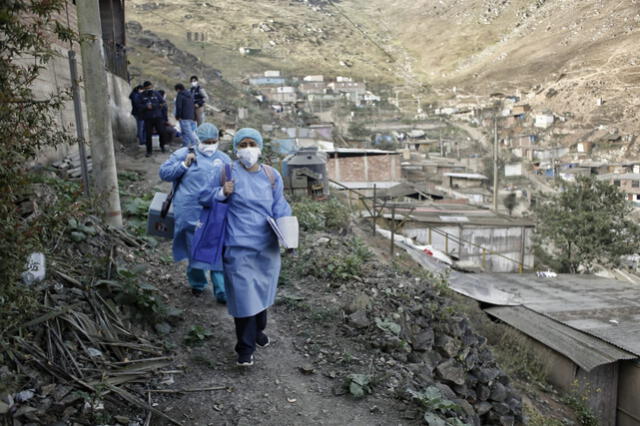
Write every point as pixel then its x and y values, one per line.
pixel 207 131
pixel 247 133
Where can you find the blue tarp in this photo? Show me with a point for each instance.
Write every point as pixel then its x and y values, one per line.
pixel 284 146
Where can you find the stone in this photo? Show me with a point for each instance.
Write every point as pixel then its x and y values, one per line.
pixel 487 375
pixel 504 379
pixel 24 410
pixel 507 420
pixel 163 328
pixel 501 408
pixel 483 392
pixel 498 392
pixel 446 391
pixel 483 408
pixel 423 341
pixel 359 319
pixel 307 369
pixel 515 404
pixel 360 302
pixel 4 407
pixel 471 359
pixel 466 407
pixel 47 389
pixel 447 346
pixel 451 371
pixel 123 420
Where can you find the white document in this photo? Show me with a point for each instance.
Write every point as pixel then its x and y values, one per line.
pixel 287 230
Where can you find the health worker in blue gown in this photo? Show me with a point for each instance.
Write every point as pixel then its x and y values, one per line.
pixel 194 171
pixel 251 254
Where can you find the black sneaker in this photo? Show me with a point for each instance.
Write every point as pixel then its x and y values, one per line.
pixel 197 292
pixel 148 154
pixel 245 361
pixel 263 340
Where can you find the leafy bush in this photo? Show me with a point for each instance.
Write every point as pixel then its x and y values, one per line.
pixel 28 124
pixel 330 215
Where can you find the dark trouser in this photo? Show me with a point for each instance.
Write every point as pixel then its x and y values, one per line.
pixel 247 330
pixel 149 125
pixel 141 133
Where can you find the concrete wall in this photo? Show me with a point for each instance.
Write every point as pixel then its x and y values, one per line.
pixel 505 241
pixel 56 78
pixel 364 168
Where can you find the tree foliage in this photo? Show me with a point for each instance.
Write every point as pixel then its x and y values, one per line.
pixel 28 123
pixel 585 224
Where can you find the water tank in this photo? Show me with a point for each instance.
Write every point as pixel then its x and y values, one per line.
pixel 305 172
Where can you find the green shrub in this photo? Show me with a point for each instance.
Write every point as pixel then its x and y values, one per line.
pixel 329 215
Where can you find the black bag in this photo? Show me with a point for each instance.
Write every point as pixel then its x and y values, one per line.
pixel 166 205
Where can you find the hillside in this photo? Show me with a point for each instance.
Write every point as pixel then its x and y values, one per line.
pixel 582 50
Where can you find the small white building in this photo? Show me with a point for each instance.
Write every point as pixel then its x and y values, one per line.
pixel 543 121
pixel 340 79
pixel 313 78
pixel 272 73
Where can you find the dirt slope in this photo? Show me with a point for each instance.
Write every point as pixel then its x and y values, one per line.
pixel 583 50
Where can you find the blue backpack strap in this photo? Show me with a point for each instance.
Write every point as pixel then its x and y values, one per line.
pixel 225 175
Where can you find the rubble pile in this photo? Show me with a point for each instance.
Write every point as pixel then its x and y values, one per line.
pixel 400 335
pixel 81 357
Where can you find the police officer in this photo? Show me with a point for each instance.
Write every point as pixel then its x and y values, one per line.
pixel 152 104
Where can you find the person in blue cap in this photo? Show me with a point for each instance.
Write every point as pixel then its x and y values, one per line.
pixel 194 169
pixel 251 252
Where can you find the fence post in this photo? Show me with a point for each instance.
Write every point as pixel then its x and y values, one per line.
pixel 375 213
pixel 430 243
pixel 484 258
pixel 446 242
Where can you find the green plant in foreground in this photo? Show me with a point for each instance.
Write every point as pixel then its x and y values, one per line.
pixel 197 335
pixel 359 385
pixel 437 406
pixel 578 399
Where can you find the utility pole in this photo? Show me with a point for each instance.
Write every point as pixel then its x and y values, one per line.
pixel 105 178
pixel 495 163
pixel 77 108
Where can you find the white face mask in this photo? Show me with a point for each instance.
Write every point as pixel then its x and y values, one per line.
pixel 208 148
pixel 194 83
pixel 249 156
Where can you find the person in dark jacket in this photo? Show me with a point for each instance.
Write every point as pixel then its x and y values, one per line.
pixel 200 98
pixel 169 130
pixel 151 103
pixel 134 97
pixel 186 115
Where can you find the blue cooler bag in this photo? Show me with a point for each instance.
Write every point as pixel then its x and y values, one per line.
pixel 208 237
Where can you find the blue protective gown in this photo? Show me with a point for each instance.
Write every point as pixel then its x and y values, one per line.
pixel 251 255
pixel 186 206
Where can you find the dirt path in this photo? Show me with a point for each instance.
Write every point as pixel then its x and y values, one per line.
pixel 279 389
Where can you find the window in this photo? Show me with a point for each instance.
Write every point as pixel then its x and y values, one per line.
pixel 616 182
pixel 635 183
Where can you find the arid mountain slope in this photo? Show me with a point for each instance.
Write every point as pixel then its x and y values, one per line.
pixel 583 49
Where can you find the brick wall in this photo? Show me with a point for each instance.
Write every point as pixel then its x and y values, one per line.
pixel 375 168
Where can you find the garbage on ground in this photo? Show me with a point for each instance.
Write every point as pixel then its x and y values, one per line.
pixel 35 269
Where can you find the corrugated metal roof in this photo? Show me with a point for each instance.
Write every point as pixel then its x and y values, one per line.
pixel 604 308
pixel 474 176
pixel 585 350
pixel 630 176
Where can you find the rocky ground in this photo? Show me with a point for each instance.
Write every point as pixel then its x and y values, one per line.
pixel 356 339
